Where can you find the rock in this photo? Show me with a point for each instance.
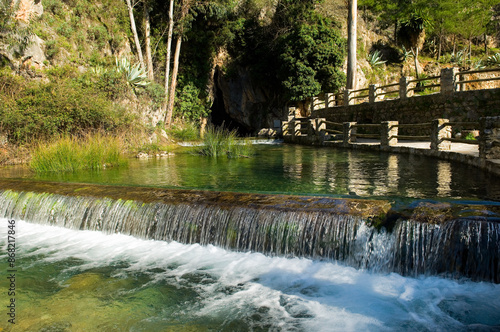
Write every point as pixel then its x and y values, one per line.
pixel 142 155
pixel 246 101
pixel 267 132
pixel 34 53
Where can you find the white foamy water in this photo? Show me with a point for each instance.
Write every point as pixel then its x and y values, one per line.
pixel 256 292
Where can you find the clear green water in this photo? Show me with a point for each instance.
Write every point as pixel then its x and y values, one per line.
pixel 300 170
pixel 70 280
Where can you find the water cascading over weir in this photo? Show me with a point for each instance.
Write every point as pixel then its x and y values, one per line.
pixel 432 238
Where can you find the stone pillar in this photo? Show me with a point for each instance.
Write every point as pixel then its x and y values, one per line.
pixel 320 126
pixel 372 93
pixel 296 125
pixel 349 133
pixel 403 88
pixel 439 131
pixel 388 129
pixel 448 80
pixel 489 137
pixel 347 95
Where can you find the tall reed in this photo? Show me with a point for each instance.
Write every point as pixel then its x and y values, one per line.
pixel 70 154
pixel 218 141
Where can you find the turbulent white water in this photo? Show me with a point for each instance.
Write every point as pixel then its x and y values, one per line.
pixel 243 291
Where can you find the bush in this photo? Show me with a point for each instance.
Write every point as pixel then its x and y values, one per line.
pixel 219 142
pixel 187 132
pixel 70 154
pixel 66 105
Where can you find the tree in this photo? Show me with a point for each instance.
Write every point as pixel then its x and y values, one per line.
pixel 134 32
pixel 312 55
pixel 351 44
pixel 185 6
pixel 169 51
pixel 412 34
pixel 147 39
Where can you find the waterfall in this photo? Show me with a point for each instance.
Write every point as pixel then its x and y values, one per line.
pixel 457 248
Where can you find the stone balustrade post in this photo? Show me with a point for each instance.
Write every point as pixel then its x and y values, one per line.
pixel 403 88
pixel 347 96
pixel 388 130
pixel 349 133
pixel 489 137
pixel 440 131
pixel 320 126
pixel 448 84
pixel 372 93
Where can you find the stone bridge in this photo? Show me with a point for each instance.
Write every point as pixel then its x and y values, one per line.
pixel 417 118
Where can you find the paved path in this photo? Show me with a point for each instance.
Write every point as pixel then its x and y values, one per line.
pixel 468 149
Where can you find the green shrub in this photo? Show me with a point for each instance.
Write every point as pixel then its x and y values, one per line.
pixel 187 132
pixel 71 154
pixel 68 104
pixel 219 142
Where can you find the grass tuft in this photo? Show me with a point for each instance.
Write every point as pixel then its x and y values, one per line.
pixel 71 154
pixel 219 141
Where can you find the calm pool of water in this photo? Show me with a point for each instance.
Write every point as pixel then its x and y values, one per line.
pixel 299 170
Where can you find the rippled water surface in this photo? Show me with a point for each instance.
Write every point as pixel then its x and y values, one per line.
pixel 87 281
pixel 300 170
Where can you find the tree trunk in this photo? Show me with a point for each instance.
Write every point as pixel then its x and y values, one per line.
pixel 134 32
pixel 173 84
pixel 171 95
pixel 485 44
pixel 415 58
pixel 147 37
pixel 169 52
pixel 440 46
pixel 351 42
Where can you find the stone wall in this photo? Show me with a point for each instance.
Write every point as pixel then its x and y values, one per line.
pixel 456 106
pixel 467 106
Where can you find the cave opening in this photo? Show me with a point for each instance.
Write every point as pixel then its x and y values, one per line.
pixel 218 115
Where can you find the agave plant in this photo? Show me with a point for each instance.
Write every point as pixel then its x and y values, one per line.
pixel 493 60
pixel 458 57
pixel 99 70
pixel 375 59
pixel 406 54
pixel 134 74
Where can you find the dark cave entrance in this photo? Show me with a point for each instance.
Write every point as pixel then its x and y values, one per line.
pixel 219 116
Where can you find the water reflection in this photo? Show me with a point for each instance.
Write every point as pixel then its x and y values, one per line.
pixel 299 170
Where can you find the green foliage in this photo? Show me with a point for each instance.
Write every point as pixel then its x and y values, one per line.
pixel 219 142
pixel 134 74
pixel 185 132
pixel 68 104
pixel 375 59
pixel 470 136
pixel 71 154
pixel 494 60
pixel 311 59
pixel 191 106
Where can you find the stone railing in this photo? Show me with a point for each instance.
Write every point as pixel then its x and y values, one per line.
pixel 451 80
pixel 318 131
